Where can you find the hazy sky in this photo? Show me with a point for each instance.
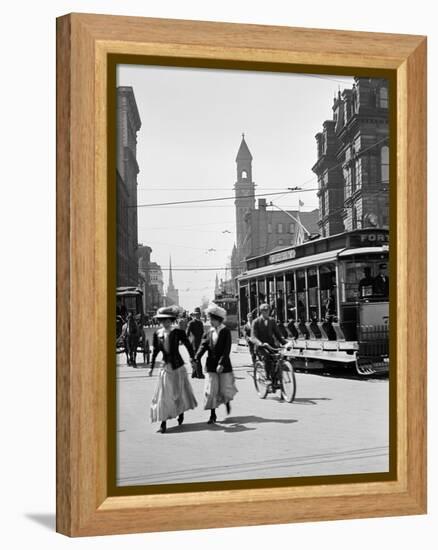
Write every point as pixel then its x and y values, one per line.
pixel 192 123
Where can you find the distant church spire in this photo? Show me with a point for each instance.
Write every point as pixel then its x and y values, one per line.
pixel 216 285
pixel 170 285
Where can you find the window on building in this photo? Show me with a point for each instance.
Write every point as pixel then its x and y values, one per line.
pixel 358 173
pixel 326 201
pixel 354 218
pixel 291 228
pixel 280 228
pixel 384 159
pixel 269 227
pixel 244 174
pixel 383 98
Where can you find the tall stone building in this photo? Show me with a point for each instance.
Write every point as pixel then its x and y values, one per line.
pixel 353 159
pixel 128 124
pixel 259 230
pixel 144 275
pixel 172 294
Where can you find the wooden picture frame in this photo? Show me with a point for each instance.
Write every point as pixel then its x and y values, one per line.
pixel 85 235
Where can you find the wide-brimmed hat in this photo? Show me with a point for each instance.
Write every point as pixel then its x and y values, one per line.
pixel 169 312
pixel 264 306
pixel 216 311
pixel 197 310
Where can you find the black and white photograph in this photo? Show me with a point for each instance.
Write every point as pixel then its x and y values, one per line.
pixel 252 275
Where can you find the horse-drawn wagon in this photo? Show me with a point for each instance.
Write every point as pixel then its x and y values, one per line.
pixel 130 320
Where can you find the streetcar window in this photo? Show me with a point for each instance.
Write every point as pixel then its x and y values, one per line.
pixel 279 301
pixel 312 282
pixel 364 279
pixel 301 295
pixel 243 301
pixel 262 292
pixel 327 284
pixel 290 297
pixel 252 295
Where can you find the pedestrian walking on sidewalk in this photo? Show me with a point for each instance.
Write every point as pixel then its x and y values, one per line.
pixel 173 394
pixel 195 331
pixel 219 384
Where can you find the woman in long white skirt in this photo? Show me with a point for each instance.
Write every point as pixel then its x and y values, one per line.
pixel 219 383
pixel 173 394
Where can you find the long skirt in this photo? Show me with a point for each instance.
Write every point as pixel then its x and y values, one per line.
pixel 173 394
pixel 219 388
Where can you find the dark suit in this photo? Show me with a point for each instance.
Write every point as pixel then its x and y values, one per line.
pixel 381 286
pixel 266 333
pixel 219 352
pixel 195 331
pixel 176 336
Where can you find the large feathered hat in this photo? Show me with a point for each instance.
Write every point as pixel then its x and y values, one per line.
pixel 216 311
pixel 169 312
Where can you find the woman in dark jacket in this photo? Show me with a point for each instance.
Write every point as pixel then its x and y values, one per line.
pixel 173 394
pixel 219 384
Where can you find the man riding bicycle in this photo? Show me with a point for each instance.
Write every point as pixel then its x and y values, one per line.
pixel 266 335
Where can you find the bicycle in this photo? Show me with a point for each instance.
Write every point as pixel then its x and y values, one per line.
pixel 281 374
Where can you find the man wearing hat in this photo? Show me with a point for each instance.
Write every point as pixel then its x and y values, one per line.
pixel 219 384
pixel 381 282
pixel 195 330
pixel 264 331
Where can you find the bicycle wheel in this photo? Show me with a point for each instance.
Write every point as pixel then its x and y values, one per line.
pixel 288 381
pixel 260 382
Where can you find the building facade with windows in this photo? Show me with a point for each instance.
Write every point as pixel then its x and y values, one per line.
pixel 353 159
pixel 128 124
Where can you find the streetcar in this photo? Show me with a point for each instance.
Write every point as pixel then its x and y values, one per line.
pixel 330 297
pixel 130 299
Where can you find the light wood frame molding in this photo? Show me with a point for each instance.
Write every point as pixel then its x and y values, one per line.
pixel 83 45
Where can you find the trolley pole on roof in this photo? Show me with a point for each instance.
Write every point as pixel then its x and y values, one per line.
pixel 292 217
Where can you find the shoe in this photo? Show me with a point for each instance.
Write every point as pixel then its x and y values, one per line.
pixel 201 376
pixel 194 375
pixel 150 372
pixel 228 407
pixel 181 419
pixel 163 427
pixel 212 418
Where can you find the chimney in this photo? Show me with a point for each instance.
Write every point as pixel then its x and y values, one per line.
pixel 262 204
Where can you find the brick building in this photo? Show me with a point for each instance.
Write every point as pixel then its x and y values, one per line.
pixel 128 124
pixel 353 159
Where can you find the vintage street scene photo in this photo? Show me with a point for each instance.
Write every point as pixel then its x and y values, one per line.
pixel 252 299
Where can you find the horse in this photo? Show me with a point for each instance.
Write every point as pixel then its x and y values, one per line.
pixel 132 335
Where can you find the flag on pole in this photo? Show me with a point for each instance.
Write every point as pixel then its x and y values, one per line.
pixel 299 235
pixel 300 202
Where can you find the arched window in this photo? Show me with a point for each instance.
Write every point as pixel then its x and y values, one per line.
pixel 244 174
pixel 383 98
pixel 384 163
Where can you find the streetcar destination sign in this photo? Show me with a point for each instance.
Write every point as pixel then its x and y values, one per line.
pixel 282 256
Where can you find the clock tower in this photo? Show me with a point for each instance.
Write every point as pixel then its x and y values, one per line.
pixel 245 201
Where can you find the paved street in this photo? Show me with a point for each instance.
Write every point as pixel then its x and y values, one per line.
pixel 334 426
